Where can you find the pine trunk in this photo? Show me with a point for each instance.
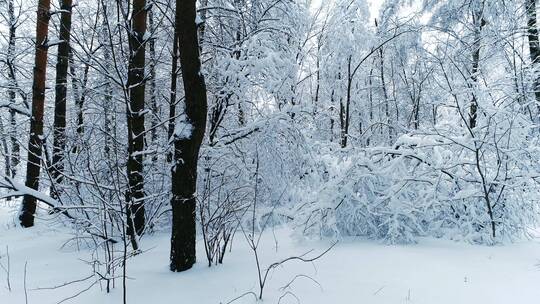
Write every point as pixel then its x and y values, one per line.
pixel 35 141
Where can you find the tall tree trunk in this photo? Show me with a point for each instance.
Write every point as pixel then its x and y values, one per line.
pixel 108 106
pixel 385 94
pixel 5 148
pixel 478 22
pixel 174 80
pixel 135 122
pixel 62 61
pixel 187 144
pixel 416 115
pixel 15 147
pixel 317 78
pixel 152 90
pixel 344 109
pixel 370 98
pixel 240 5
pixel 80 90
pixel 35 141
pixel 534 46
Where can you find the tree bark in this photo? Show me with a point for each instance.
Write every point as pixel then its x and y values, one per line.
pixel 135 122
pixel 187 144
pixel 152 91
pixel 174 79
pixel 62 62
pixel 5 148
pixel 478 22
pixel 13 160
pixel 108 105
pixel 534 45
pixel 344 109
pixel 35 141
pixel 79 88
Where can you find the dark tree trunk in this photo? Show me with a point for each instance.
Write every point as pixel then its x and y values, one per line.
pixel 135 122
pixel 317 78
pixel 344 109
pixel 416 115
pixel 534 45
pixel 532 30
pixel 187 144
pixel 62 61
pixel 35 142
pixel 80 103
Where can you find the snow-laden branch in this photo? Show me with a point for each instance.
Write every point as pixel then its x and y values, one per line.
pixel 17 190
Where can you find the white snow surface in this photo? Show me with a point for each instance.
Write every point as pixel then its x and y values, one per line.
pixel 355 271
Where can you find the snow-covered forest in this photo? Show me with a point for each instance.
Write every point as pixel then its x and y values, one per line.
pixel 277 151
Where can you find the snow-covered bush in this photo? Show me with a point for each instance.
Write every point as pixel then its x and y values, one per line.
pixel 479 188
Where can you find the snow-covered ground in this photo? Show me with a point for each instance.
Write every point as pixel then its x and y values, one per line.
pixel 355 271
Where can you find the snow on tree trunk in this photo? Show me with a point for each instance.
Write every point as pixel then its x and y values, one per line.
pixel 186 146
pixel 135 122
